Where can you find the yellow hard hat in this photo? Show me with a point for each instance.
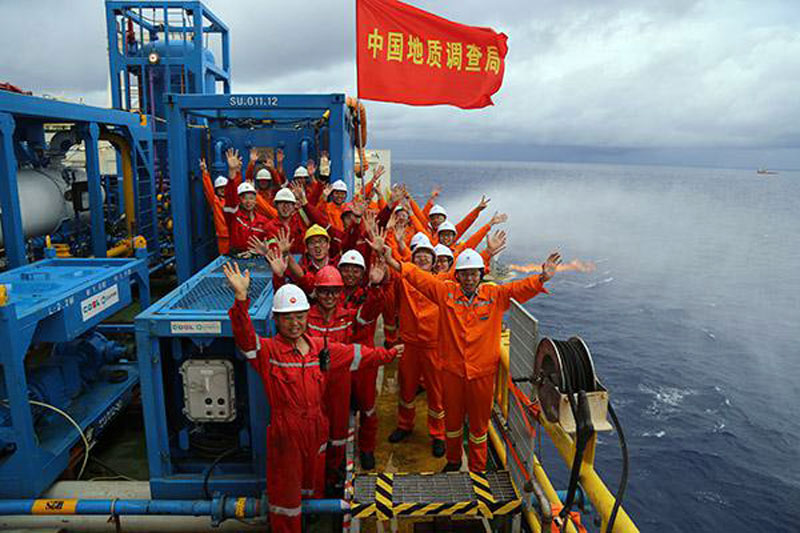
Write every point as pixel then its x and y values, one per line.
pixel 315 231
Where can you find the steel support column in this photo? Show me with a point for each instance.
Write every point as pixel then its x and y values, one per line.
pixel 13 232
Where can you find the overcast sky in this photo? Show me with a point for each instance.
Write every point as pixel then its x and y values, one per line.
pixel 666 81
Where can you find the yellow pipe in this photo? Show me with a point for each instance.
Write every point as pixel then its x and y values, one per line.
pixel 593 486
pixel 124 148
pixel 122 248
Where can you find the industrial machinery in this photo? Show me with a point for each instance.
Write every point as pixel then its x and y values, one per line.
pixel 78 380
pixel 204 407
pixel 303 126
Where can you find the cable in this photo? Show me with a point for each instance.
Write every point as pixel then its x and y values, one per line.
pixel 216 461
pixel 623 479
pixel 71 421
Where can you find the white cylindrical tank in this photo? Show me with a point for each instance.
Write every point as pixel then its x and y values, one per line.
pixel 42 203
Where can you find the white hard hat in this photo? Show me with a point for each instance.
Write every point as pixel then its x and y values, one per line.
pixel 442 250
pixel 339 185
pixel 301 172
pixel 446 226
pixel 418 238
pixel 352 257
pixel 263 174
pixel 398 207
pixel 221 181
pixel 284 195
pixel 468 259
pixel 245 188
pixel 288 299
pixel 424 244
pixel 437 210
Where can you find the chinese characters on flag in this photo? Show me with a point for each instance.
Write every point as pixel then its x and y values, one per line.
pixel 410 56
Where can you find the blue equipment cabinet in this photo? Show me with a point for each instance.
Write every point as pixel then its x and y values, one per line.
pixel 204 126
pixel 57 301
pixel 190 326
pixel 22 140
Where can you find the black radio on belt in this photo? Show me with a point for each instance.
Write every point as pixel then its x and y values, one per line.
pixel 324 356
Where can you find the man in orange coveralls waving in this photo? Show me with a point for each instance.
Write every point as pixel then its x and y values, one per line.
pixel 290 366
pixel 470 321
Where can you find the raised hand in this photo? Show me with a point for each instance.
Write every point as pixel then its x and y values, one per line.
pixel 370 222
pixel 400 348
pixel 496 242
pixel 379 171
pixel 550 266
pixel 378 241
pixel 284 241
pixel 253 154
pixel 279 155
pixel 203 166
pixel 311 166
pixel 234 161
pixel 435 192
pixel 484 203
pixel 327 190
pixel 359 206
pixel 396 195
pixel 257 246
pixel 240 283
pixel 377 271
pixel 277 262
pixel 299 192
pixel 498 218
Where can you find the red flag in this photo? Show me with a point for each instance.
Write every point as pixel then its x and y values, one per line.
pixel 410 56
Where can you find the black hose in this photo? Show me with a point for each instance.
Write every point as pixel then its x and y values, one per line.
pixel 623 480
pixel 213 465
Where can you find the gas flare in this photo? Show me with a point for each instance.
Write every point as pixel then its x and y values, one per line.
pixel 576 265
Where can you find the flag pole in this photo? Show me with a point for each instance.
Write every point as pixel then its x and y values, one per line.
pixel 358 108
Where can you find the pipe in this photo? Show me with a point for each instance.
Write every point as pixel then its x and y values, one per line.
pixel 123 248
pixel 124 148
pixel 219 508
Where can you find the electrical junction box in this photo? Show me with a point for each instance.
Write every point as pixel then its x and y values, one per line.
pixel 209 393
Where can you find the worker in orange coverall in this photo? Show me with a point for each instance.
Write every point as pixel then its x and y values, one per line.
pixel 470 320
pixel 291 366
pixel 418 319
pixel 215 196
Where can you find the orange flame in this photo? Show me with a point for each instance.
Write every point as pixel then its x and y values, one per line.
pixel 577 265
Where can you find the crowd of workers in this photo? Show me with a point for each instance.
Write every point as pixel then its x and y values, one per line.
pixel 337 267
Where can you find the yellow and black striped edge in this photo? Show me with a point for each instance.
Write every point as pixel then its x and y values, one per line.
pixel 436 509
pixel 383 496
pixel 483 493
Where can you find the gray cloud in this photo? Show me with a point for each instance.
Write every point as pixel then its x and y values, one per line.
pixel 635 75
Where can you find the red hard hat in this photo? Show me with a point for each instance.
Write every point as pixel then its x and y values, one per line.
pixel 328 276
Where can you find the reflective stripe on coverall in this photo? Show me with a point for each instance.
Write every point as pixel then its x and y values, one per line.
pixel 296 436
pixel 469 340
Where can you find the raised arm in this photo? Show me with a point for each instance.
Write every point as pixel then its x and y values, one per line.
pixel 525 289
pixel 471 217
pixel 358 356
pixel 244 334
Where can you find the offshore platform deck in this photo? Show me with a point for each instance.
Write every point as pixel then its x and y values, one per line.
pixel 83 244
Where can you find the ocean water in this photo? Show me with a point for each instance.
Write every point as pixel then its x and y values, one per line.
pixel 692 316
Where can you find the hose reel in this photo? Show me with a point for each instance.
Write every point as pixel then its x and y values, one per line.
pixel 566 367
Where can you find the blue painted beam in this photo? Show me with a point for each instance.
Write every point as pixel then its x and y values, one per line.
pixel 13 232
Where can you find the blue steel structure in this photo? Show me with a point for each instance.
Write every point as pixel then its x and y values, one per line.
pixel 56 301
pixel 204 126
pixel 155 48
pixel 192 322
pixel 22 139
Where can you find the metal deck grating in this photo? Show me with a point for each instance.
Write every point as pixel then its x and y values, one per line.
pixel 439 488
pixel 258 264
pixel 214 294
